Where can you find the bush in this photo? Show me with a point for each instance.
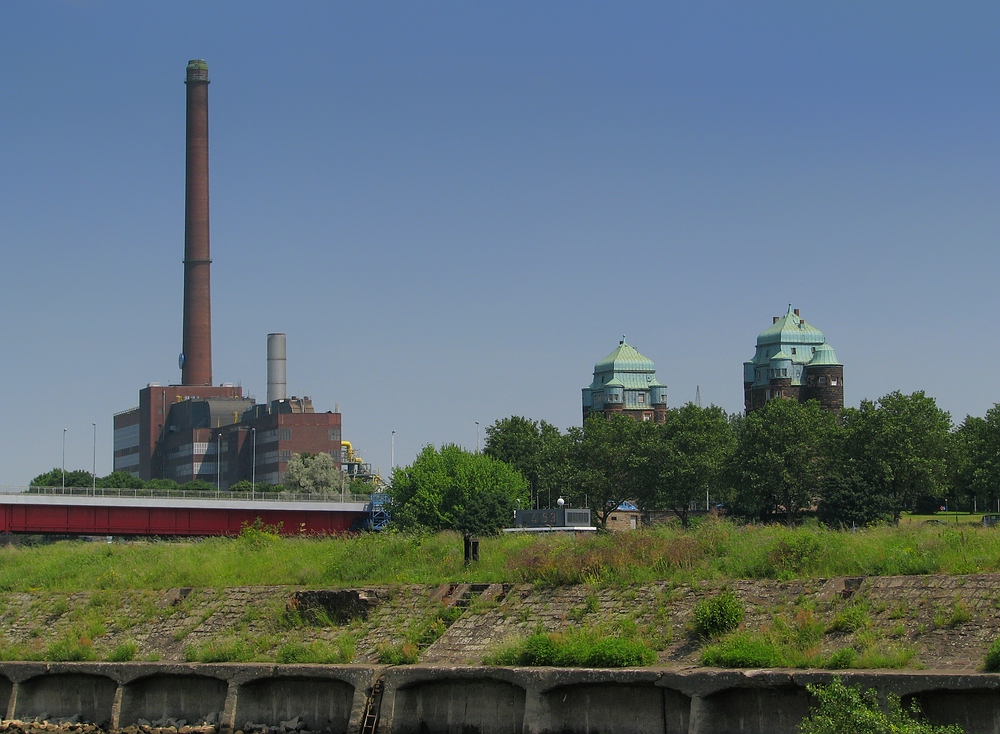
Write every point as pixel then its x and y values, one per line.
pixel 123 653
pixel 586 648
pixel 744 650
pixel 405 654
pixel 318 651
pixel 717 615
pixel 849 709
pixel 992 664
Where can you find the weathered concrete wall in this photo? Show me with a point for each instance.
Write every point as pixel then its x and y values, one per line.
pixel 457 700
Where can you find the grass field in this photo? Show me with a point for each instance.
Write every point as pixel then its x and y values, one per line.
pixel 715 549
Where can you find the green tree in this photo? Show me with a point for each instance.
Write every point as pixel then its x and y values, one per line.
pixel 161 484
pixel 312 473
pixel 976 458
pixel 609 465
pixel 685 456
pixel 536 449
pixel 850 501
pixel 900 446
pixel 197 485
pixel 120 480
pixel 454 489
pixel 780 455
pixel 843 708
pixel 54 478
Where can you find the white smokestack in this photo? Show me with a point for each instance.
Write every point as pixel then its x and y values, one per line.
pixel 276 383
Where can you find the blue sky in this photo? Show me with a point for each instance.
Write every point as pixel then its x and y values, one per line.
pixel 455 209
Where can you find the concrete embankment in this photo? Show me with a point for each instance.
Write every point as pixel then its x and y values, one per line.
pixel 401 700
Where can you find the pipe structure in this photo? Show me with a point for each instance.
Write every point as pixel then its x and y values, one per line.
pixel 276 380
pixel 196 357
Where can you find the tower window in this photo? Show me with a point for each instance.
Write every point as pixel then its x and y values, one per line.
pixel 793 350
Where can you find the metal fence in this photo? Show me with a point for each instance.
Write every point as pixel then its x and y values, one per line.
pixel 191 494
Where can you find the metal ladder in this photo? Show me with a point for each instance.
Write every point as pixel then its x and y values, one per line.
pixel 372 708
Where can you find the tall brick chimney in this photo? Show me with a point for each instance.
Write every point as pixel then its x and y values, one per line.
pixel 196 357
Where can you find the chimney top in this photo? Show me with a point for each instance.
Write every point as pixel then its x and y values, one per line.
pixel 197 71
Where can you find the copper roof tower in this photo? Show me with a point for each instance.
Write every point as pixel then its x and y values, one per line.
pixel 196 357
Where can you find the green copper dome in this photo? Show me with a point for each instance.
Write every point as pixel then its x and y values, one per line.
pixel 824 357
pixel 790 329
pixel 624 359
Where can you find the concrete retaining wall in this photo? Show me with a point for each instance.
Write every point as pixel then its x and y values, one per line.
pixel 462 700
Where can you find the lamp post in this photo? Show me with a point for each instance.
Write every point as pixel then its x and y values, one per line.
pixel 477 437
pixel 64 461
pixel 218 462
pixel 93 473
pixel 392 453
pixel 253 465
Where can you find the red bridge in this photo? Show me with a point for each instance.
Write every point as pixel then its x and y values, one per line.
pixel 123 512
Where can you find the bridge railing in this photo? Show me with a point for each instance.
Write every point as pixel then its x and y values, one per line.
pixel 192 494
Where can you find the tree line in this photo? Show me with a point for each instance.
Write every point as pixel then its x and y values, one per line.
pixel 898 453
pixel 305 473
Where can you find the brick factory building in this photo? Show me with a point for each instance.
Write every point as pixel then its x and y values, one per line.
pixel 625 382
pixel 793 362
pixel 195 430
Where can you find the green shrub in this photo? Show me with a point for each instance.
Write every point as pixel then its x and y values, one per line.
pixel 404 654
pixel 123 652
pixel 842 659
pixel 717 615
pixel 841 708
pixel 224 650
pixel 318 651
pixel 992 663
pixel 851 618
pixel 582 648
pixel 744 650
pixel 70 648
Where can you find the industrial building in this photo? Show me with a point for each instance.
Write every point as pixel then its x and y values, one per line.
pixel 625 382
pixel 196 430
pixel 793 362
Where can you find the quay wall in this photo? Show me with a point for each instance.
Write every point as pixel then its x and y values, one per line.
pixel 466 700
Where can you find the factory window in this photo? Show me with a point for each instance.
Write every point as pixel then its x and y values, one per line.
pixel 284 455
pixel 793 350
pixel 784 372
pixel 777 393
pixel 285 434
pixel 642 398
pixel 833 381
pixel 334 434
pixel 822 381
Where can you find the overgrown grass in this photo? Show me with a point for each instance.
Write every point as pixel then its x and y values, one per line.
pixel 586 647
pixel 318 651
pixel 715 550
pixel 797 642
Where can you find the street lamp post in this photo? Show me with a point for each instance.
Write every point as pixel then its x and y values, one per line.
pixel 93 473
pixel 477 437
pixel 253 465
pixel 218 462
pixel 64 461
pixel 392 453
